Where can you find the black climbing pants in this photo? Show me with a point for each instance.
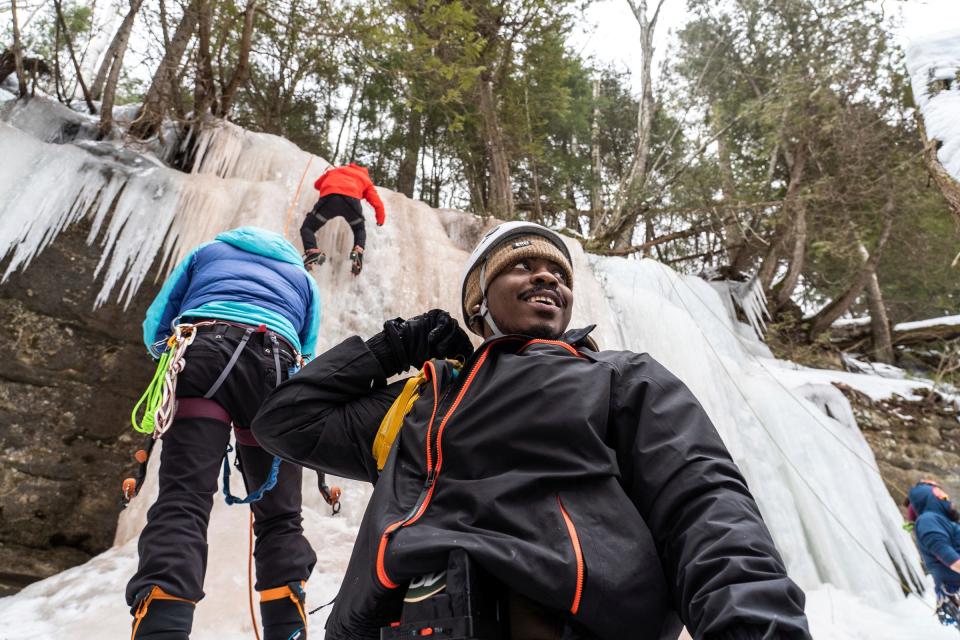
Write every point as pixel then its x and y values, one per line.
pixel 173 545
pixel 327 208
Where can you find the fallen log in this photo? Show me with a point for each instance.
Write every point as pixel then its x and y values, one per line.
pixel 847 334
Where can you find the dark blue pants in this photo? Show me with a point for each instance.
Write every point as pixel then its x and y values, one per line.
pixel 173 545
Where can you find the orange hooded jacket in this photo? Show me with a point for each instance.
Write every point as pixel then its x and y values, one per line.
pixel 353 181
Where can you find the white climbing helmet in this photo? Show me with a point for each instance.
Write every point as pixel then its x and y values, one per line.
pixel 491 240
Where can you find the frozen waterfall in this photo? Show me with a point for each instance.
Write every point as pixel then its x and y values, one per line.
pixel 791 432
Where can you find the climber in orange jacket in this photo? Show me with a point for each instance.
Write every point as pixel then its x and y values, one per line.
pixel 341 189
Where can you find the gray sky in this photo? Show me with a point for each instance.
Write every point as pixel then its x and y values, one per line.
pixel 611 33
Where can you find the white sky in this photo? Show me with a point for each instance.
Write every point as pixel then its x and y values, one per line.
pixel 610 32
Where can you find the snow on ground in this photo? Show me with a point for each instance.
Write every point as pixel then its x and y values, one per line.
pixel 87 601
pixel 788 428
pixel 937 58
pixel 838 615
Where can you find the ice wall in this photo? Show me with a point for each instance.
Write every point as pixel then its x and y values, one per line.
pixel 934 65
pixel 813 475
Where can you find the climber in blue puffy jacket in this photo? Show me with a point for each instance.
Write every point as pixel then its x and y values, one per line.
pixel 255 310
pixel 938 537
pixel 938 534
pixel 247 275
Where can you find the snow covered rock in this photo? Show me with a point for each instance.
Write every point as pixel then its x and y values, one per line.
pixel 934 66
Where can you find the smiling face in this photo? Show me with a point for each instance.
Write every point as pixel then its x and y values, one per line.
pixel 530 297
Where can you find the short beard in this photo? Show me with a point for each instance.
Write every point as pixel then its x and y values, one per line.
pixel 542 332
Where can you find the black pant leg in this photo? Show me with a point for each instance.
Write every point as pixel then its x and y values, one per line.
pixel 173 544
pixel 282 554
pixel 311 224
pixel 359 234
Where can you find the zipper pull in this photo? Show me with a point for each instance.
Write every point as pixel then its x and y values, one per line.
pixel 431 478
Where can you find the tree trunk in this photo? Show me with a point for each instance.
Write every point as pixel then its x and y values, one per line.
pixel 115 52
pixel 799 232
pixel 500 198
pixel 771 260
pixel 243 60
pixel 617 225
pixel 57 76
pixel 733 239
pixel 842 303
pixel 18 53
pixel 348 115
pixel 204 88
pixel 534 170
pixel 73 57
pixel 151 114
pixel 407 172
pixel 879 323
pixel 109 85
pixel 596 185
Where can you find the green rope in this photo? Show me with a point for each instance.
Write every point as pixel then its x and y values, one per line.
pixel 151 398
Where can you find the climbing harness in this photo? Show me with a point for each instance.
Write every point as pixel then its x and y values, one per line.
pixel 155 410
pixel 159 400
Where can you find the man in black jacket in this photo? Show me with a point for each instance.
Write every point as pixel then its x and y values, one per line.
pixel 591 485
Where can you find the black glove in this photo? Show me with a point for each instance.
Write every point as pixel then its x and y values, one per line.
pixel 406 343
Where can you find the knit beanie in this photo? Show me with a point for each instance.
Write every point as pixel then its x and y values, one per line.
pixel 505 256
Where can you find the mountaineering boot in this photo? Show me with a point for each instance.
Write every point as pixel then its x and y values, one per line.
pixel 313 258
pixel 356 259
pixel 157 615
pixel 283 613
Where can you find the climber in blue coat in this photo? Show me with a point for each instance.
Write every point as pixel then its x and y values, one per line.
pixel 938 537
pixel 254 310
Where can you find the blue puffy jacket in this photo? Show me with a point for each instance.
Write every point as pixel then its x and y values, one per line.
pixel 937 535
pixel 247 275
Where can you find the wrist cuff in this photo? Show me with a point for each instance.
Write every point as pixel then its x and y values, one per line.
pixel 379 346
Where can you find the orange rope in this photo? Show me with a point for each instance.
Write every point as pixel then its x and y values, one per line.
pixel 253 616
pixel 296 198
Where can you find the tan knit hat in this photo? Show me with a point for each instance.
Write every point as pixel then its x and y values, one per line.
pixel 504 256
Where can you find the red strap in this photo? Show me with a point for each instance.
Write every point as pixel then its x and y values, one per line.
pixel 201 408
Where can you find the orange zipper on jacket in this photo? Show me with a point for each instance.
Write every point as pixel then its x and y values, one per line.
pixel 578 552
pixel 432 472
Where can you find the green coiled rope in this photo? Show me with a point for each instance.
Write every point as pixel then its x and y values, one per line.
pixel 151 398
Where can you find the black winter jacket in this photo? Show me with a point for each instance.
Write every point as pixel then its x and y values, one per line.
pixel 592 483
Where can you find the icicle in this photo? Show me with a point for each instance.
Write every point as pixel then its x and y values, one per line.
pixel 753 302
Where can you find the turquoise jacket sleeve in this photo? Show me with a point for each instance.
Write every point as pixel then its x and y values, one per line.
pixel 166 306
pixel 308 339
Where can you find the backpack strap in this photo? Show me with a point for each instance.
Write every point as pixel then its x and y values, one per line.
pixel 393 419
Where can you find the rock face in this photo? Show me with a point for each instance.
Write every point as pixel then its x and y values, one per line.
pixel 69 377
pixel 911 440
